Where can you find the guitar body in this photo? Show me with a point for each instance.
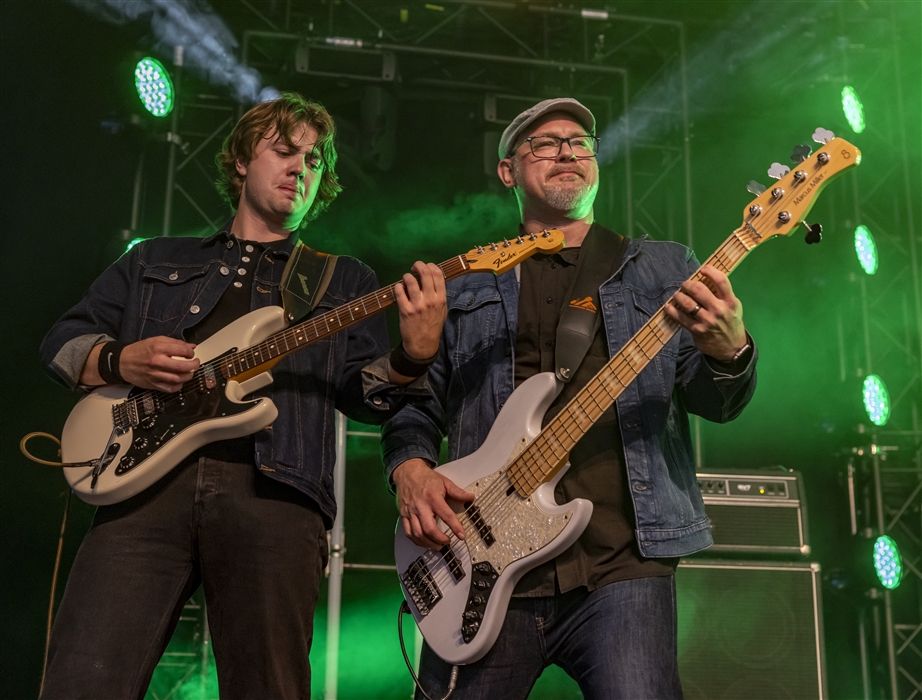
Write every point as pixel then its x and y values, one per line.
pixel 173 428
pixel 459 597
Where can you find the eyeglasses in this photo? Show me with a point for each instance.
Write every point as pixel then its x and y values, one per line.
pixel 550 146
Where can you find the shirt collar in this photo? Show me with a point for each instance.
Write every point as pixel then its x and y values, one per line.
pixel 223 235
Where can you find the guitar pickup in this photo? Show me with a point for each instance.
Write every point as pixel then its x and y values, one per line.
pixel 484 530
pixel 421 587
pixel 454 564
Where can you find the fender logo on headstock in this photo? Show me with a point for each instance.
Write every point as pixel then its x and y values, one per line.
pixel 504 258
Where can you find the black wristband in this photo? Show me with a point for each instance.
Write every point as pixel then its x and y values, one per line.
pixel 402 363
pixel 107 366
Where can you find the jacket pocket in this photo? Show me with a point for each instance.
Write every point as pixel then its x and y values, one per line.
pixel 171 290
pixel 473 315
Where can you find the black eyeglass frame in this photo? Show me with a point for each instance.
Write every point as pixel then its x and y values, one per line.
pixel 528 140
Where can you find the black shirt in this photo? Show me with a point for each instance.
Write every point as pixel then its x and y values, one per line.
pixel 607 550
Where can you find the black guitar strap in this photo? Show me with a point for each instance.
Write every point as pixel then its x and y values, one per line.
pixel 580 319
pixel 304 281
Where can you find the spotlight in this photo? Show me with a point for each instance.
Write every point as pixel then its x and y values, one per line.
pixel 888 564
pixel 876 400
pixel 154 86
pixel 854 110
pixel 866 249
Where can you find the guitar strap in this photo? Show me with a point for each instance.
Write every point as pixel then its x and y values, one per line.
pixel 304 280
pixel 580 319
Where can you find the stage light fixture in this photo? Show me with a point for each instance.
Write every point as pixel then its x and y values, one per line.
pixel 866 249
pixel 888 564
pixel 154 86
pixel 854 110
pixel 876 400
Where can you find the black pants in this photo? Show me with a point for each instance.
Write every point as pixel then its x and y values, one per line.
pixel 256 545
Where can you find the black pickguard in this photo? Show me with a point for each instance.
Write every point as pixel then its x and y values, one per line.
pixel 165 416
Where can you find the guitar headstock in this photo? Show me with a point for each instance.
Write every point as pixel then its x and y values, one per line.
pixel 500 257
pixel 778 210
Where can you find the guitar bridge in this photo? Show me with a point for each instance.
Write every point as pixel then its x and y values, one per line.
pixel 420 586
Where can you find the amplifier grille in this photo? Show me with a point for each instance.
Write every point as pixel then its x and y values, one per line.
pixel 750 526
pixel 749 631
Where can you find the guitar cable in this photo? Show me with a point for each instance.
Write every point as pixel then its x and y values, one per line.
pixel 29 455
pixel 452 681
pixel 57 556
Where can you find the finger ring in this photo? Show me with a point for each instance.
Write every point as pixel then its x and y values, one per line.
pixel 694 312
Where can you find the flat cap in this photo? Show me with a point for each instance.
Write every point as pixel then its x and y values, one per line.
pixel 524 120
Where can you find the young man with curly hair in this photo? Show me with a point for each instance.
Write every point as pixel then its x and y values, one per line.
pixel 244 517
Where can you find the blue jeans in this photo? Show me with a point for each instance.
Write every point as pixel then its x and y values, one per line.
pixel 207 522
pixel 617 642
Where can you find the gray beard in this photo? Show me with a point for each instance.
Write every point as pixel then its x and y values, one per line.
pixel 567 197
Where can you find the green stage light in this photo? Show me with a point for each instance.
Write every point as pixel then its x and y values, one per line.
pixel 876 400
pixel 888 564
pixel 132 243
pixel 866 249
pixel 155 89
pixel 854 110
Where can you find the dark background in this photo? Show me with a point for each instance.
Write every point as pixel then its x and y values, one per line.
pixel 67 193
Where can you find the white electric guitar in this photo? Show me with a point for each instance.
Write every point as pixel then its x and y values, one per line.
pixel 124 439
pixel 459 595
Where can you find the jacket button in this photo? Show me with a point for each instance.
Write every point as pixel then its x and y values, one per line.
pixel 224 271
pixel 249 248
pixel 194 309
pixel 174 276
pixel 229 244
pixel 377 401
pixel 640 487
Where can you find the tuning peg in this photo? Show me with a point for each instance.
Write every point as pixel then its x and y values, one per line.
pixel 814 232
pixel 755 188
pixel 778 171
pixel 822 135
pixel 800 153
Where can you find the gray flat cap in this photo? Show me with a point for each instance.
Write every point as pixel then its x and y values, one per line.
pixel 558 104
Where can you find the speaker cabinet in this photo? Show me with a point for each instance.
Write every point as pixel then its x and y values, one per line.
pixel 750 630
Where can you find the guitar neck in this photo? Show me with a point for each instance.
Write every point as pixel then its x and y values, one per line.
pixel 277 346
pixel 550 450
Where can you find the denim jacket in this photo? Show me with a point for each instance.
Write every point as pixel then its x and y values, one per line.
pixel 473 377
pixel 165 286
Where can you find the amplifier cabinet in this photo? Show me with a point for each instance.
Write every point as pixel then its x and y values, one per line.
pixel 756 512
pixel 750 630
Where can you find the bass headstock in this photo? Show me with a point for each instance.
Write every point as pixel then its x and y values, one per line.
pixel 778 210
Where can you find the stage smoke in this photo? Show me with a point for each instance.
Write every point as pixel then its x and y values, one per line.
pixel 208 45
pixel 760 34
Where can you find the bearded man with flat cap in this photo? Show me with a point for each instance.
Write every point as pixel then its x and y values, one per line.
pixel 604 609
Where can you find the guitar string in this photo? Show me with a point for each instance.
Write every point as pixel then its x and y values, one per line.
pixel 726 258
pixel 290 336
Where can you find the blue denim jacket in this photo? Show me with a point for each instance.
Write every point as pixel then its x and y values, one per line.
pixel 473 377
pixel 165 286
